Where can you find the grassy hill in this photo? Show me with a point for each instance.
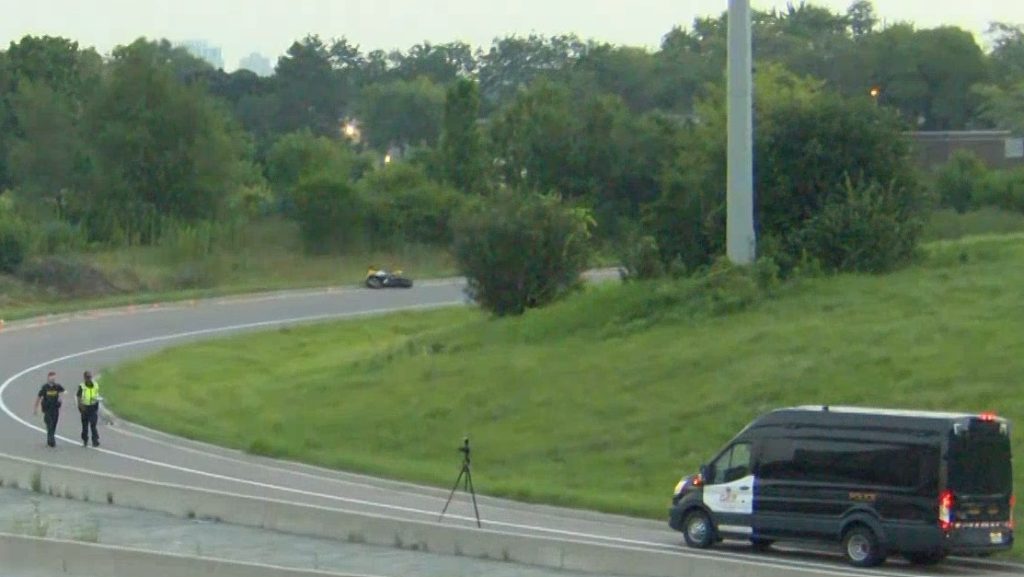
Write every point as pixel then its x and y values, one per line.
pixel 604 400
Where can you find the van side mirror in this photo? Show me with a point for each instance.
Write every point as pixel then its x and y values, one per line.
pixel 706 473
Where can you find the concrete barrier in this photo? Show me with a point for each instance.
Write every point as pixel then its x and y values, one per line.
pixel 34 556
pixel 381 530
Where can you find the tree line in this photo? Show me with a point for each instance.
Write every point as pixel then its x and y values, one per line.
pixel 116 150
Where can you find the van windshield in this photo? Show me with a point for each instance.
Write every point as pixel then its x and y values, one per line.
pixel 979 464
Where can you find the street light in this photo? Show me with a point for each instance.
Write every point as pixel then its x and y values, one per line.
pixel 875 93
pixel 741 241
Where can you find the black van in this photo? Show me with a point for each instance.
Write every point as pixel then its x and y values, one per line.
pixel 920 484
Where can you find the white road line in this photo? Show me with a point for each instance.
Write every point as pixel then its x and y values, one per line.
pixel 629 543
pixel 727 557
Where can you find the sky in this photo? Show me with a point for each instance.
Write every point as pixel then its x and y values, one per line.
pixel 240 27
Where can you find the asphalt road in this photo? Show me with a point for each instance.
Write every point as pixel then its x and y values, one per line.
pixel 96 340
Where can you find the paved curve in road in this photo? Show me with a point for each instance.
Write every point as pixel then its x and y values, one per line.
pixel 99 339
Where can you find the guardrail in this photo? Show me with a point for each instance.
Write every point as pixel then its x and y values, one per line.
pixel 372 529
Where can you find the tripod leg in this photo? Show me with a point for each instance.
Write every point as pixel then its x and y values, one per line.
pixel 457 479
pixel 472 491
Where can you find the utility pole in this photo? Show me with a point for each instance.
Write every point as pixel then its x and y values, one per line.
pixel 741 243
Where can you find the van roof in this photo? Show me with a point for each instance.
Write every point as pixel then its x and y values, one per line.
pixel 945 416
pixel 829 416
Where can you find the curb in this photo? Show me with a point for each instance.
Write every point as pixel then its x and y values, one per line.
pixel 564 554
pixel 59 557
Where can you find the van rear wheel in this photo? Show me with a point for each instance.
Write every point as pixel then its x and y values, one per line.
pixel 861 547
pixel 697 529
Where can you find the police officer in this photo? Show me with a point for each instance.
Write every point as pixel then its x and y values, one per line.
pixel 49 397
pixel 89 405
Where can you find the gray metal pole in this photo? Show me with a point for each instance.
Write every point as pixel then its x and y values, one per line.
pixel 741 244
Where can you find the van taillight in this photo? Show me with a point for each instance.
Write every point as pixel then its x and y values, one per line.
pixel 946 502
pixel 1013 505
pixel 988 417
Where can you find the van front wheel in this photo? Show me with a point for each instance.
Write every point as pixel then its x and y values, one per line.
pixel 697 529
pixel 861 547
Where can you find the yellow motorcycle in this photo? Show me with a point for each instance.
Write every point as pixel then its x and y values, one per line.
pixel 379 279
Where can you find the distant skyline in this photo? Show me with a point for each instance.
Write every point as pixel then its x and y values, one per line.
pixel 268 27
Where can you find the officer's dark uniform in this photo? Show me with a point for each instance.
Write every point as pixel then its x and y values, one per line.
pixel 89 404
pixel 49 394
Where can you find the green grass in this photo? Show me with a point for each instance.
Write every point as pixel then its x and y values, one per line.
pixel 949 225
pixel 602 401
pixel 262 256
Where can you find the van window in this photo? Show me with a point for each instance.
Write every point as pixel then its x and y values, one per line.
pixel 979 464
pixel 732 465
pixel 847 463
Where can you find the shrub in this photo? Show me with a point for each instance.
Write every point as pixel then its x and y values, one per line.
pixel 60 237
pixel 808 143
pixel 957 183
pixel 329 211
pixel 641 259
pixel 521 250
pixel 863 230
pixel 1002 189
pixel 12 246
pixel 69 277
pixel 403 205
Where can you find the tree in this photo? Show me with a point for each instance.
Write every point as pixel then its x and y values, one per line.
pixel 1007 53
pixel 47 84
pixel 309 93
pixel 926 74
pixel 1002 107
pixel 533 137
pixel 462 153
pixel 404 205
pixel 514 62
pixel 809 145
pixel 627 72
pixel 163 149
pixel 441 63
pixel 302 155
pixel 862 18
pixel 401 113
pixel 329 212
pixel 685 65
pixel 521 250
pixel 51 160
pixel 6 121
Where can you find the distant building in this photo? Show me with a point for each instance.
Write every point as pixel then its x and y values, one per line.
pixel 257 63
pixel 202 49
pixel 996 148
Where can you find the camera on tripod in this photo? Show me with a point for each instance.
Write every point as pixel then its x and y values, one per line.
pixel 466 478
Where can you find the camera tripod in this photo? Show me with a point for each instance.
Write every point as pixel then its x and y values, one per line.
pixel 466 477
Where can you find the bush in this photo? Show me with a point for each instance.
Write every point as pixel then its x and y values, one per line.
pixel 60 237
pixel 12 246
pixel 521 250
pixel 864 230
pixel 641 259
pixel 403 206
pixel 808 143
pixel 957 183
pixel 1002 189
pixel 68 277
pixel 330 213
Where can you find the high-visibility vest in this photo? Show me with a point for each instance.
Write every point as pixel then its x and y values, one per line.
pixel 90 395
